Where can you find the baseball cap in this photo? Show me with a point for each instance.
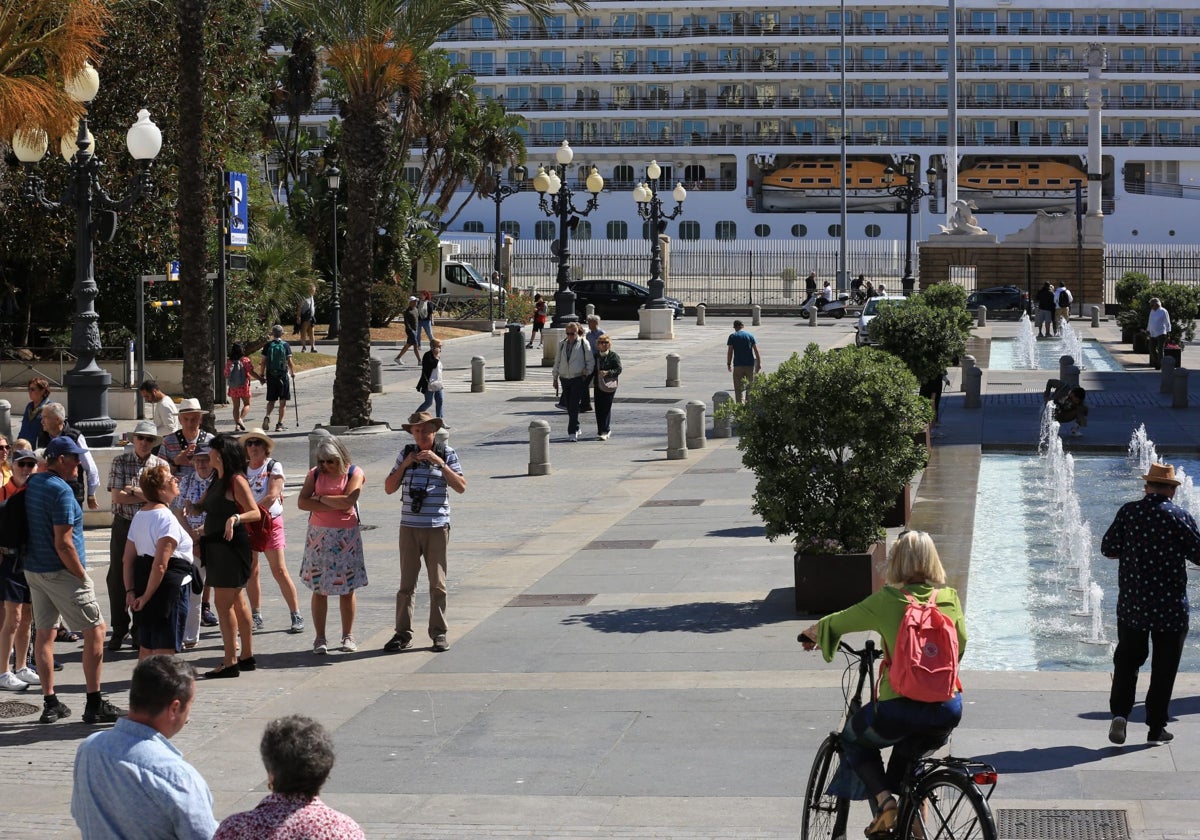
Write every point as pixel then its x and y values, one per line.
pixel 62 445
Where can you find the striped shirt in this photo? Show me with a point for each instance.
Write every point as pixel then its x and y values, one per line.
pixel 428 479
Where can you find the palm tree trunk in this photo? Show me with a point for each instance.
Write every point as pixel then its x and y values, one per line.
pixel 364 144
pixel 191 208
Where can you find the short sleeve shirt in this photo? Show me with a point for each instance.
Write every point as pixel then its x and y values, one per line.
pixel 166 416
pixel 127 470
pixel 50 501
pixel 260 483
pixel 150 526
pixel 428 479
pixel 742 343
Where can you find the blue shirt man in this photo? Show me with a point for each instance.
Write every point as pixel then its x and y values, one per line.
pixel 743 359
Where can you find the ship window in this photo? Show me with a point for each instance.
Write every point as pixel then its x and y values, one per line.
pixel 866 181
pixel 872 231
pixel 513 229
pixel 544 231
pixel 974 181
pixel 995 182
pixel 689 230
pixel 1054 182
pixel 473 227
pixel 787 179
pixel 825 181
pixel 1034 182
pixel 799 230
pixel 616 230
pixel 835 230
pixel 762 230
pixel 583 230
pixel 1013 182
pixel 726 230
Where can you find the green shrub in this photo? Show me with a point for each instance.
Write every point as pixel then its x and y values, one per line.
pixel 925 338
pixel 1181 302
pixel 388 300
pixel 1130 287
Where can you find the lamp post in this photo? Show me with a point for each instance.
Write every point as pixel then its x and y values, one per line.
pixel 333 177
pixel 649 208
pixel 499 193
pixel 909 192
pixel 95 214
pixel 552 182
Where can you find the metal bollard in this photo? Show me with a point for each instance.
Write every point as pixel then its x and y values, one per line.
pixel 981 314
pixel 966 364
pixel 973 379
pixel 441 436
pixel 676 443
pixel 672 370
pixel 539 447
pixel 1064 363
pixel 812 316
pixel 722 425
pixel 551 336
pixel 1095 316
pixel 477 365
pixel 1166 381
pixel 6 420
pixel 1180 398
pixel 376 376
pixel 756 315
pixel 695 410
pixel 314 440
pixel 1070 376
pixel 700 309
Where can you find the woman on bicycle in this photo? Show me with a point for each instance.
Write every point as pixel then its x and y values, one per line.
pixel 913 728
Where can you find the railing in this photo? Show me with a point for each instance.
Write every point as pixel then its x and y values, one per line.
pixel 663 100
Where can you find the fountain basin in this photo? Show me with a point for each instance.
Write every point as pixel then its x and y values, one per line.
pixel 1047 353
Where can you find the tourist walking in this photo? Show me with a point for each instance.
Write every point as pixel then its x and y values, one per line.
pixel 274 369
pixel 157 567
pixel 608 372
pixel 333 549
pixel 431 383
pixel 592 334
pixel 1151 538
pixel 425 472
pixel 411 338
pixel 16 613
pixel 539 322
pixel 266 478
pixel 31 417
pixel 130 781
pixel 425 315
pixel 1159 327
pixel 573 368
pixel 1062 306
pixel 164 412
pixel 742 359
pixel 239 371
pixel 228 506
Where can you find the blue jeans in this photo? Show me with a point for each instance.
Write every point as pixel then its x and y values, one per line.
pixel 425 326
pixel 432 397
pixel 910 727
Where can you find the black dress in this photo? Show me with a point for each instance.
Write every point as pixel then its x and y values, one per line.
pixel 226 564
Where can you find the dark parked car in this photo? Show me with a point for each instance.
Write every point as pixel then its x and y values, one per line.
pixel 615 300
pixel 999 299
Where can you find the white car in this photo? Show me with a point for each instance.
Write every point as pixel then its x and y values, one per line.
pixel 862 333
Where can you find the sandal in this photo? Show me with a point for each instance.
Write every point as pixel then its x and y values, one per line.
pixel 884 823
pixel 65 635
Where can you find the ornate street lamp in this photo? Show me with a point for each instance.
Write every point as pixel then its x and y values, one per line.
pixel 87 383
pixel 333 177
pixel 910 192
pixel 499 192
pixel 552 182
pixel 649 207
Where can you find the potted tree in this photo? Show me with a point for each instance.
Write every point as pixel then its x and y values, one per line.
pixel 829 436
pixel 1182 304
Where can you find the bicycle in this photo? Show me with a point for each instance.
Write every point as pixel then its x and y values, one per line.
pixel 939 798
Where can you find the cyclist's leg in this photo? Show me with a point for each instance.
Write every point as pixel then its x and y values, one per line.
pixel 927 728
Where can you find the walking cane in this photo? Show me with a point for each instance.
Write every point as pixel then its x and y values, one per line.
pixel 296 401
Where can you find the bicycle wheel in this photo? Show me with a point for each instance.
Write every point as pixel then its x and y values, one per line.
pixel 946 806
pixel 824 814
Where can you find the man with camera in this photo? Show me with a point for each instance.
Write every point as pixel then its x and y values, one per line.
pixel 425 472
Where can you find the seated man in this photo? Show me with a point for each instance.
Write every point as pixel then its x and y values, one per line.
pixel 1069 404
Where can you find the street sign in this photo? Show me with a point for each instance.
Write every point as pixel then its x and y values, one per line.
pixel 239 216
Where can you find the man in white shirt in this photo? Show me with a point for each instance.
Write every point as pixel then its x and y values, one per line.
pixel 1159 327
pixel 165 414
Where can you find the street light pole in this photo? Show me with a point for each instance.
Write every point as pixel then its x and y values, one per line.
pixel 96 211
pixel 553 182
pixel 909 192
pixel 650 209
pixel 499 193
pixel 333 177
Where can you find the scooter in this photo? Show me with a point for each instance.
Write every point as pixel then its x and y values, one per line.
pixel 835 308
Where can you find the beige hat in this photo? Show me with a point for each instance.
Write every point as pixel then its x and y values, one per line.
pixel 419 418
pixel 146 428
pixel 255 434
pixel 1161 474
pixel 190 404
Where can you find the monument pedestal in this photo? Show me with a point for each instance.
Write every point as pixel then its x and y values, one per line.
pixel 656 324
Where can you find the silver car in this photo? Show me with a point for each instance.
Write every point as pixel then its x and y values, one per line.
pixel 862 334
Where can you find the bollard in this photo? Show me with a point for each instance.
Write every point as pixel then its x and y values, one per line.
pixel 700 307
pixel 514 353
pixel 1166 380
pixel 589 312
pixel 441 436
pixel 981 313
pixel 672 370
pixel 722 424
pixel 539 448
pixel 1095 316
pixel 6 420
pixel 551 336
pixel 695 410
pixel 812 316
pixel 376 376
pixel 966 364
pixel 756 315
pixel 1064 364
pixel 314 440
pixel 477 365
pixel 1070 376
pixel 1180 397
pixel 676 444
pixel 973 379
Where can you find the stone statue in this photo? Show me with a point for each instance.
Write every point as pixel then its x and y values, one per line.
pixel 963 221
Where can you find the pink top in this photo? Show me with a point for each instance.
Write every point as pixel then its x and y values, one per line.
pixel 289 817
pixel 333 485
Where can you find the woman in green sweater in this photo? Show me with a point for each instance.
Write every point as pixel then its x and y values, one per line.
pixel 911 727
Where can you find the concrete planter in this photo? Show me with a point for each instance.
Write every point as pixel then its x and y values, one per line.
pixel 826 583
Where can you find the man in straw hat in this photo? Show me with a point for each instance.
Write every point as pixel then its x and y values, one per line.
pixel 423 471
pixel 1151 538
pixel 180 445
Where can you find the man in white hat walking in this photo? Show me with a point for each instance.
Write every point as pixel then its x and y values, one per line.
pixel 124 487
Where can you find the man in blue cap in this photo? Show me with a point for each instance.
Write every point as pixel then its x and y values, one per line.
pixel 55 569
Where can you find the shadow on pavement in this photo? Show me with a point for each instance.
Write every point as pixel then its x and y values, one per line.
pixel 700 617
pixel 1052 758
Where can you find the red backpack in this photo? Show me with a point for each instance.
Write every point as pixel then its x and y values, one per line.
pixel 924 665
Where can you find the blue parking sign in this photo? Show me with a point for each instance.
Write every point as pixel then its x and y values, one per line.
pixel 239 216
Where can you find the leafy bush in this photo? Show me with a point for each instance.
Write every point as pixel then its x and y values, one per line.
pixel 388 300
pixel 1130 287
pixel 518 308
pixel 925 338
pixel 830 437
pixel 1181 302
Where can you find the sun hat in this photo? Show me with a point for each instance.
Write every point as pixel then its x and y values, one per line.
pixel 190 404
pixel 419 418
pixel 146 428
pixel 1161 474
pixel 255 434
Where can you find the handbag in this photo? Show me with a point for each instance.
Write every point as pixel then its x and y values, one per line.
pixel 607 382
pixel 261 532
pixel 435 385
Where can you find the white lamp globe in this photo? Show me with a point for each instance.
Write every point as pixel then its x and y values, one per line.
pixel 595 183
pixel 30 144
pixel 84 85
pixel 541 181
pixel 564 155
pixel 143 139
pixel 653 170
pixel 679 194
pixel 555 182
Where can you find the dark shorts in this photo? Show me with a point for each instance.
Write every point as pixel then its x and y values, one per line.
pixel 278 388
pixel 13 588
pixel 411 337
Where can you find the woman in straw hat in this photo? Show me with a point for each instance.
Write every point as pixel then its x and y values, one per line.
pixel 266 478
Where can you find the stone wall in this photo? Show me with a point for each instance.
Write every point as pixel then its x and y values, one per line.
pixel 1018 265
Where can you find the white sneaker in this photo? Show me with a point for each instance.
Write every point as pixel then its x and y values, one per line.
pixel 604 436
pixel 348 644
pixel 574 437
pixel 27 675
pixel 9 682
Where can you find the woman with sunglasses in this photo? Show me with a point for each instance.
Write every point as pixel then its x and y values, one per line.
pixel 608 369
pixel 6 470
pixel 31 419
pixel 228 506
pixel 266 478
pixel 16 611
pixel 333 549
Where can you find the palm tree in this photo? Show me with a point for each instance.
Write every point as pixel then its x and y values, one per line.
pixel 375 48
pixel 43 42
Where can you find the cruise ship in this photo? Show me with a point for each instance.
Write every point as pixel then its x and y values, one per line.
pixel 738 100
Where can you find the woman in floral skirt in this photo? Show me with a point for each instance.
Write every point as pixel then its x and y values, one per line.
pixel 333 550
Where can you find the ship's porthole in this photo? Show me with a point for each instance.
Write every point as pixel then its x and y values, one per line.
pixel 799 230
pixel 835 230
pixel 1170 233
pixel 872 230
pixel 762 230
pixel 1133 232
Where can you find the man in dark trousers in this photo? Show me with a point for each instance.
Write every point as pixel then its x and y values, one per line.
pixel 1152 538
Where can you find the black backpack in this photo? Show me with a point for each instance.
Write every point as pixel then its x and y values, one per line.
pixel 14 524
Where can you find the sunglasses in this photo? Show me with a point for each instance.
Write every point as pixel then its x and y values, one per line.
pixel 27 464
pixel 5 447
pixel 145 438
pixel 256 442
pixel 326 460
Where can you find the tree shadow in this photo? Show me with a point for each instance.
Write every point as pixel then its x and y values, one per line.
pixel 701 617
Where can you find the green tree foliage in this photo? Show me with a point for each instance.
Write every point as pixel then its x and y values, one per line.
pixel 1181 302
pixel 1130 287
pixel 926 338
pixel 829 436
pixel 279 276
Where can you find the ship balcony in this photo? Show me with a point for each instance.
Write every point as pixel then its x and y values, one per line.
pixel 589 103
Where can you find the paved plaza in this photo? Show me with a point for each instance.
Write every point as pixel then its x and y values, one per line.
pixel 623 658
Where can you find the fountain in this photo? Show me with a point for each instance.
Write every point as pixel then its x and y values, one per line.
pixel 1141 449
pixel 1072 344
pixel 1025 346
pixel 1096 637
